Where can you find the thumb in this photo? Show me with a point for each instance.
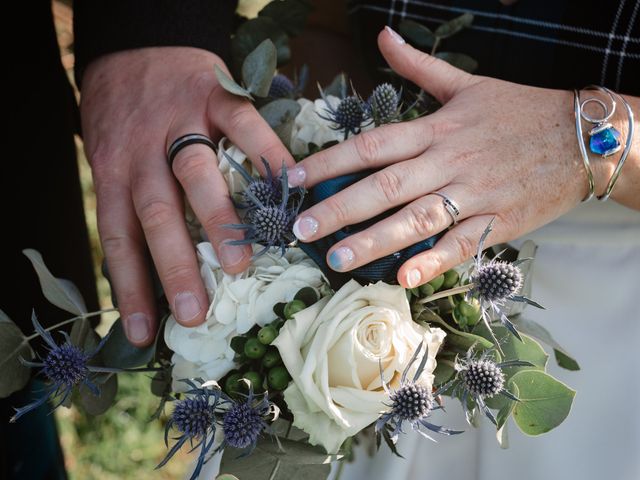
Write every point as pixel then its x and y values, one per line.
pixel 433 75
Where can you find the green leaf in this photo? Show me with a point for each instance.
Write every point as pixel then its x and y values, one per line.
pixel 259 68
pixel 227 476
pixel 502 435
pixel 62 293
pixel 337 87
pixel 280 115
pixel 119 353
pixel 461 339
pixel 252 33
pixel 417 34
pixel 537 331
pixel 291 15
pixel 443 372
pixel 81 335
pixel 13 345
pixel 527 250
pixel 230 85
pixel 544 402
pixel 459 60
pixel 97 405
pixel 452 27
pixel 161 383
pixel 503 404
pixel 565 361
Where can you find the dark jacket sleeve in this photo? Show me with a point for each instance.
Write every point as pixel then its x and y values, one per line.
pixel 106 26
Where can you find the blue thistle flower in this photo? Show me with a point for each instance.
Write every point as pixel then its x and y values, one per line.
pixel 65 366
pixel 281 87
pixel 245 420
pixel 411 403
pixel 481 377
pixel 384 104
pixel 348 116
pixel 195 419
pixel 271 208
pixel 494 284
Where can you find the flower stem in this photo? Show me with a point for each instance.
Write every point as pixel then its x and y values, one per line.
pixel 124 370
pixel 436 44
pixel 340 469
pixel 274 472
pixel 447 293
pixel 70 320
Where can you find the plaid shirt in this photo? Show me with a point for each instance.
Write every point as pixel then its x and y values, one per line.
pixel 549 43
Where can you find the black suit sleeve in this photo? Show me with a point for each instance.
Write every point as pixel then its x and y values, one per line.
pixel 106 26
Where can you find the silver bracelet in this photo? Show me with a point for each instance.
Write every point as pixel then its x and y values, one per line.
pixel 604 139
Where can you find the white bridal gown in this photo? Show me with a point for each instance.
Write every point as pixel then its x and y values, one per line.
pixel 587 275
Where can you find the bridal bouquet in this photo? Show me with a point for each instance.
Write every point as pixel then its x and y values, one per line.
pixel 295 363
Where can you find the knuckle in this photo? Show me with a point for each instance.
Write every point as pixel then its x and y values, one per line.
pixel 155 213
pixel 465 248
pixel 241 117
pixel 421 220
pixel 221 215
pixel 191 165
pixel 389 183
pixel 368 147
pixel 338 208
pixel 177 275
pixel 116 246
pixel 424 62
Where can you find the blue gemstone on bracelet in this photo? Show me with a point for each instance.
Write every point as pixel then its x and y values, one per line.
pixel 604 142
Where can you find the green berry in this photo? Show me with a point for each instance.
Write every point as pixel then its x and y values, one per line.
pixel 232 384
pixel 426 290
pixel 278 378
pixel 451 277
pixel 437 282
pixel 271 358
pixel 267 334
pixel 255 379
pixel 278 309
pixel 237 344
pixel 254 349
pixel 307 295
pixel 470 310
pixel 293 307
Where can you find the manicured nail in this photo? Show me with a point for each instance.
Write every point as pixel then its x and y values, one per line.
pixel 137 327
pixel 296 176
pixel 231 255
pixel 413 278
pixel 305 228
pixel 186 306
pixel 395 35
pixel 341 259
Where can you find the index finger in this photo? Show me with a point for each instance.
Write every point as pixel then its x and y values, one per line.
pixel 375 148
pixel 251 133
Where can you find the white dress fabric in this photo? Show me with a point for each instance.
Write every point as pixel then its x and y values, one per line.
pixel 587 275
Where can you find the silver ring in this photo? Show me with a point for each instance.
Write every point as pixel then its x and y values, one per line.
pixel 450 206
pixel 185 141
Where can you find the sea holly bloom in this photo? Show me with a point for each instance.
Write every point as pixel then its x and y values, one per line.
pixel 411 402
pixel 271 207
pixel 65 366
pixel 195 419
pixel 481 377
pixel 384 104
pixel 245 420
pixel 348 116
pixel 494 284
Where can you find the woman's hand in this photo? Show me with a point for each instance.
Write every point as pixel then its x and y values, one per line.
pixel 134 105
pixel 498 149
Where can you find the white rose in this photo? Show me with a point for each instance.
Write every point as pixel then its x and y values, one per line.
pixel 237 303
pixel 309 127
pixel 332 351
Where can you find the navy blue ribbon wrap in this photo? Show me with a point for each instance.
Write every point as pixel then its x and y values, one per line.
pixel 385 268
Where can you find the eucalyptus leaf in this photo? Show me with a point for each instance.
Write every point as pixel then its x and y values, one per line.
pixel 544 402
pixel 230 85
pixel 13 345
pixel 259 68
pixel 503 404
pixel 337 87
pixel 443 372
pixel 161 383
pixel 537 331
pixel 97 405
pixel 227 476
pixel 454 26
pixel 502 435
pixel 459 60
pixel 280 115
pixel 291 15
pixel 527 250
pixel 61 293
pixel 119 353
pixel 417 34
pixel 81 337
pixel 252 33
pixel 461 339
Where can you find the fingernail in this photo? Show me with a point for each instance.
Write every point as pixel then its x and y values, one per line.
pixel 296 176
pixel 230 255
pixel 137 327
pixel 305 228
pixel 395 35
pixel 186 306
pixel 341 259
pixel 413 278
